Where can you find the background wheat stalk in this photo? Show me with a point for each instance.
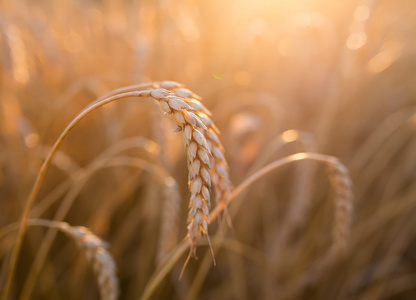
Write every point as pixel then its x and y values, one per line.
pixel 103 264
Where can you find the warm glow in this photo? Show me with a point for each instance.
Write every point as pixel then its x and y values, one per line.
pixel 273 139
pixel 290 136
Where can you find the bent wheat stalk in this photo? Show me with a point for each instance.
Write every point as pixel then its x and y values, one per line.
pixel 176 254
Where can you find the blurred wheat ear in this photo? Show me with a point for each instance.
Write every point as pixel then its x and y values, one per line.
pixel 95 249
pixel 341 182
pixel 169 232
pixel 102 261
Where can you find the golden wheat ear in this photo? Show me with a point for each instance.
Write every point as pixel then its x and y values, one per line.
pixel 198 160
pixel 219 166
pixel 219 172
pixel 205 156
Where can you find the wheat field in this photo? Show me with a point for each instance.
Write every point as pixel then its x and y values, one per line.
pixel 208 149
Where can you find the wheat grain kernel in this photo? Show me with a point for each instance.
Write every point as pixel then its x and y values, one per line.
pixel 177 103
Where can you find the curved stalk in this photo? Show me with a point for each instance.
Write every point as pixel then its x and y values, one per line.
pixel 160 274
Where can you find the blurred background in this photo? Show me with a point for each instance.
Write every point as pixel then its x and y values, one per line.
pixel 280 77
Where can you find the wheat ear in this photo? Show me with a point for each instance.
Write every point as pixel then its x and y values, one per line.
pixel 219 167
pixel 342 184
pixel 96 250
pixel 102 261
pixel 169 230
pixel 198 161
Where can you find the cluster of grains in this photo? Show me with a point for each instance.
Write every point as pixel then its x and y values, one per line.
pixel 219 167
pixel 103 263
pixel 200 141
pixel 342 184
